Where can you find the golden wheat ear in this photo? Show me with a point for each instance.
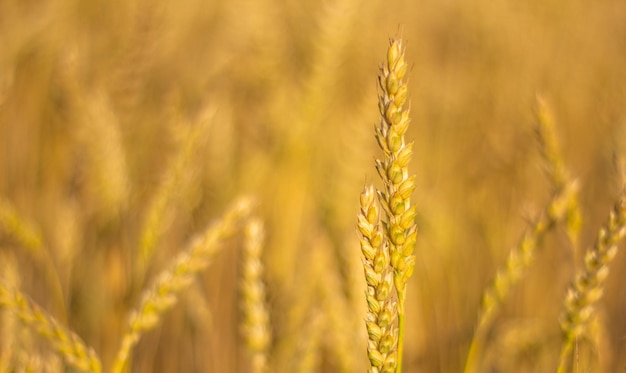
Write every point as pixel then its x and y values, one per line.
pixel 65 342
pixel 562 207
pixel 164 291
pixel 588 285
pixel 382 310
pixel 256 323
pixel 391 259
pixel 555 167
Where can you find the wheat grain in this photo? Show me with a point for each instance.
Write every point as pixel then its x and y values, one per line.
pixel 588 286
pixel 64 341
pixel 163 293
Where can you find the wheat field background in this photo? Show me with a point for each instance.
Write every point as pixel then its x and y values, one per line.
pixel 128 127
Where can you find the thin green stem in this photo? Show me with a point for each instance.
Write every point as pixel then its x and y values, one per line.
pixel 565 356
pixel 400 340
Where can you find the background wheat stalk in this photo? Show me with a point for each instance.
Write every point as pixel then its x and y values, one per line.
pixel 588 287
pixel 163 293
pixel 64 341
pixel 256 322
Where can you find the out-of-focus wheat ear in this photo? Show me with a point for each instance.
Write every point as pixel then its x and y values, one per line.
pixel 23 232
pixel 107 173
pixel 8 321
pixel 256 318
pixel 520 258
pixel 65 342
pixel 163 293
pixel 341 329
pixel 308 358
pixel 19 230
pixel 154 224
pixel 555 166
pixel 562 207
pixel 588 286
pixel 382 310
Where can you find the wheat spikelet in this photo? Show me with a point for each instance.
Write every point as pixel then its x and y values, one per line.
pixel 588 287
pixel 163 293
pixel 65 342
pixel 256 325
pixel 382 310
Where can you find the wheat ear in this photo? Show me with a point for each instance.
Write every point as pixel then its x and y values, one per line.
pixel 563 206
pixel 381 309
pixel 588 286
pixel 12 225
pixel 163 293
pixel 64 341
pixel 555 165
pixel 153 226
pixel 29 238
pixel 400 228
pixel 256 325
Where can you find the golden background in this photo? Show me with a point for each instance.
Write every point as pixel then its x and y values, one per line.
pixel 126 121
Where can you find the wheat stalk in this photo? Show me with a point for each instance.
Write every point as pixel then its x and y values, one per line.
pixel 588 287
pixel 64 341
pixel 256 325
pixel 163 293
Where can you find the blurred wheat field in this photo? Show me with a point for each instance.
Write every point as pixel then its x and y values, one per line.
pixel 129 128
